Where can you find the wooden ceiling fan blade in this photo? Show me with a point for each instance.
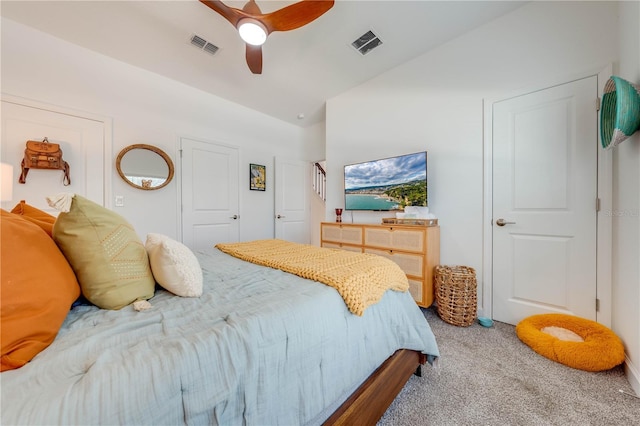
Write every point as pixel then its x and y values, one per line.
pixel 231 14
pixel 254 58
pixel 252 8
pixel 296 15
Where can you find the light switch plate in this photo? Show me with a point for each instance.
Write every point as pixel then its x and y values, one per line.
pixel 119 200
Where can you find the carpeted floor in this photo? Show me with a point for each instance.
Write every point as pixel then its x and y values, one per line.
pixel 486 376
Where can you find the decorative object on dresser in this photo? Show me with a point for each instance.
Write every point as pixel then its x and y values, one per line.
pixel 411 221
pixel 415 248
pixel 338 215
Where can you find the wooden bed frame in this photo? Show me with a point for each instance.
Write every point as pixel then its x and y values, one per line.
pixel 370 401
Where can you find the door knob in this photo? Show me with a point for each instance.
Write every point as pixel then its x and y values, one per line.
pixel 234 217
pixel 502 222
pixel 280 217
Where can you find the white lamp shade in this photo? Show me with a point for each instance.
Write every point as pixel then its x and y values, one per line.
pixel 6 182
pixel 252 31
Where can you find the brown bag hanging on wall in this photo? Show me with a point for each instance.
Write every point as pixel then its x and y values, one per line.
pixel 44 155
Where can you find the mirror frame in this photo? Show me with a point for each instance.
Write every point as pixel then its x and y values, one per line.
pixel 152 148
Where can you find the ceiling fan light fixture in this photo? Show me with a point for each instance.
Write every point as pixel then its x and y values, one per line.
pixel 252 31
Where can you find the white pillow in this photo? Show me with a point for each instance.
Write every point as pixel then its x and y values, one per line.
pixel 174 266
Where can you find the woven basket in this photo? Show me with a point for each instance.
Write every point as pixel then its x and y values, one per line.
pixel 456 294
pixel 620 111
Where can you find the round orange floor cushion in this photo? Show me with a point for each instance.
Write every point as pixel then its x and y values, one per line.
pixel 600 350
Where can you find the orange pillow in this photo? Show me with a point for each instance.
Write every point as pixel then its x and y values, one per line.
pixel 38 288
pixel 43 219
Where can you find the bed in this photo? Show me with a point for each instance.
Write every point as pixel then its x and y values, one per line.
pixel 259 346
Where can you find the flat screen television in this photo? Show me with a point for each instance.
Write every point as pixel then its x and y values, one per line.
pixel 386 184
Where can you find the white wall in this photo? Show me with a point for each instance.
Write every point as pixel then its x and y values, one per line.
pixel 148 108
pixel 626 206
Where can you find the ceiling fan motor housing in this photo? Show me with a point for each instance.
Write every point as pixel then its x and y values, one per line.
pixel 252 31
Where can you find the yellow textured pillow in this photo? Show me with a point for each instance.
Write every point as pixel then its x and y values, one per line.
pixel 104 251
pixel 43 219
pixel 38 288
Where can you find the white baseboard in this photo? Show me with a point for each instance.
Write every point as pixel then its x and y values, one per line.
pixel 633 376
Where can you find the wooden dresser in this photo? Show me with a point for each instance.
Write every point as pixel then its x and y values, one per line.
pixel 415 248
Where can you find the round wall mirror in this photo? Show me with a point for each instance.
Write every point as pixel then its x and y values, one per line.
pixel 144 166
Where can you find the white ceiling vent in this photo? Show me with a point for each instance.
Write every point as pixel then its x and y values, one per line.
pixel 203 44
pixel 366 42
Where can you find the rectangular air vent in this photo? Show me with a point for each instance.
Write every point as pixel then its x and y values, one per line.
pixel 366 42
pixel 203 44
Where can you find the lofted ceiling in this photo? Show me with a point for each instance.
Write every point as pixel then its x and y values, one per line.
pixel 301 68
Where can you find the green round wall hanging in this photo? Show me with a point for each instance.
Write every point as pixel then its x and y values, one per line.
pixel 620 111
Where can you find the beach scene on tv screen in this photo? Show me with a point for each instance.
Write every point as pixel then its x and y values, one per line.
pixel 387 184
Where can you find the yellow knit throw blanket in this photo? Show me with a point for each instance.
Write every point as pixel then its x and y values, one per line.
pixel 360 278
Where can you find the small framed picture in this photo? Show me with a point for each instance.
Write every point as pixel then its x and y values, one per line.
pixel 257 177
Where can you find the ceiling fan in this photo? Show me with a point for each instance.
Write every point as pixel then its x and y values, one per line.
pixel 254 26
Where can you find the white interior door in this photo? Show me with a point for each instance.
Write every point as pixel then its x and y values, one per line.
pixel 292 200
pixel 210 197
pixel 82 141
pixel 545 188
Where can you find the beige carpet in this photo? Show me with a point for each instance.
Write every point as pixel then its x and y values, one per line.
pixel 486 376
